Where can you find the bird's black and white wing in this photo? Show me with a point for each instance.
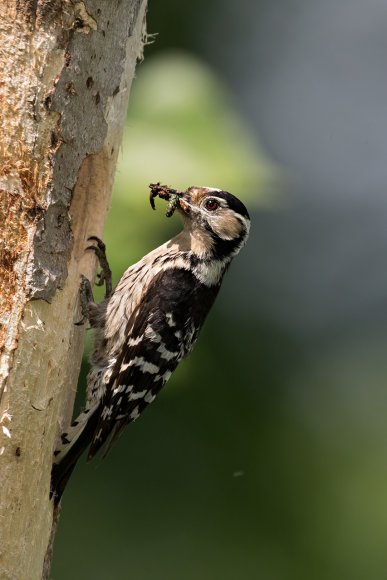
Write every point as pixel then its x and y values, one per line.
pixel 159 334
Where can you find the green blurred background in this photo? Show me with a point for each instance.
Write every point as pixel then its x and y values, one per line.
pixel 265 457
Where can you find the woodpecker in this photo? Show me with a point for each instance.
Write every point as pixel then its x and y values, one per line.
pixel 151 320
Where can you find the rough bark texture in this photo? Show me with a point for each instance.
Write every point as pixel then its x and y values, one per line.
pixel 65 73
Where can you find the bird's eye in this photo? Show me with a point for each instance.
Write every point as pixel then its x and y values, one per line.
pixel 211 204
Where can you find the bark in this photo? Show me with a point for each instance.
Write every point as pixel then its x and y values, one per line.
pixel 65 73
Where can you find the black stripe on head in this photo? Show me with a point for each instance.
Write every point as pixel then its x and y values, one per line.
pixel 225 248
pixel 233 202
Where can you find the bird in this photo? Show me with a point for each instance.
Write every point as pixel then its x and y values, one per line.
pixel 151 320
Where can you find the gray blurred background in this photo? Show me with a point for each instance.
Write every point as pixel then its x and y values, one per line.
pixel 266 455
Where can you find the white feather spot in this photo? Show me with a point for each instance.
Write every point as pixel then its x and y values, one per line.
pixel 149 397
pixel 145 366
pixel 166 376
pixel 152 334
pixel 106 412
pixel 137 395
pixel 119 389
pixel 134 414
pixel 211 273
pixel 169 319
pixel 135 341
pixel 166 354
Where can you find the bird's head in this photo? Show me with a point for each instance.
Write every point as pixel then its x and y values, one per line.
pixel 217 218
pixel 216 223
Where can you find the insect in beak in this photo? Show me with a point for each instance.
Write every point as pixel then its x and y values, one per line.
pixel 164 192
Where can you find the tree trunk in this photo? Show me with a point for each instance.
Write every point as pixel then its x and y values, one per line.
pixel 65 73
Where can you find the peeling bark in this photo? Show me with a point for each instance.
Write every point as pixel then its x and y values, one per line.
pixel 65 73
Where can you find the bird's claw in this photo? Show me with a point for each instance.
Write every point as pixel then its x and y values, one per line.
pixel 105 276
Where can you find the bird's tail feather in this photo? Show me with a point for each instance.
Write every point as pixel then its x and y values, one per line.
pixel 74 443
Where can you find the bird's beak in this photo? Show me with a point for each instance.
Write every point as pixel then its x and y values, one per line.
pixel 183 206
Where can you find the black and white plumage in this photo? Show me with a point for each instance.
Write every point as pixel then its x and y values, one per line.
pixel 151 321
